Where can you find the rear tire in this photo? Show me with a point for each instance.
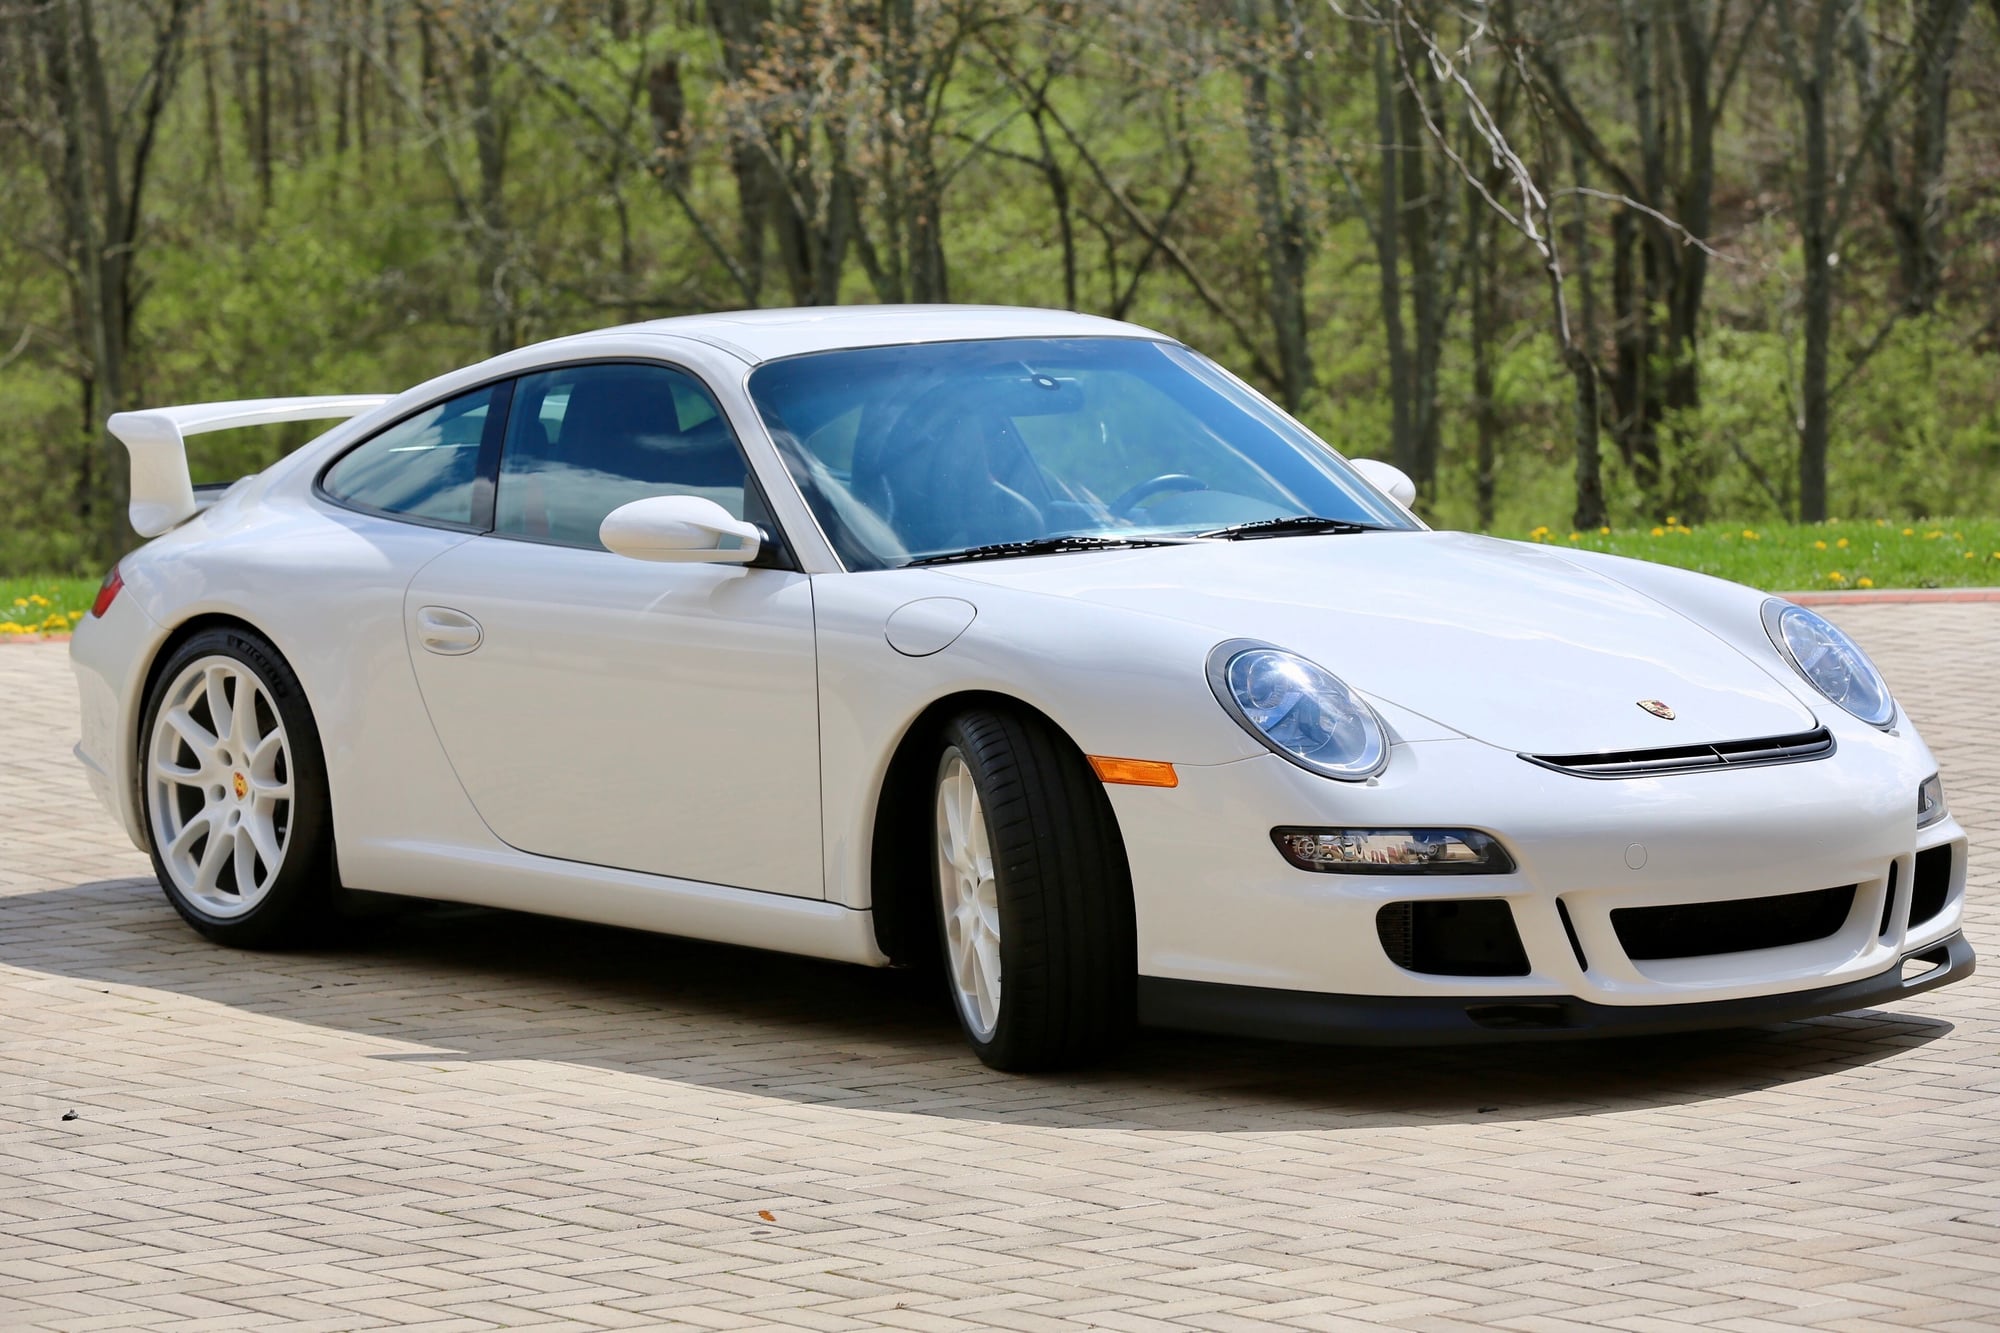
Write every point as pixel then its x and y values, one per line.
pixel 233 793
pixel 1033 894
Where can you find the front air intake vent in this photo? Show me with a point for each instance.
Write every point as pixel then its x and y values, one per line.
pixel 1797 749
pixel 1453 937
pixel 1698 930
pixel 1932 883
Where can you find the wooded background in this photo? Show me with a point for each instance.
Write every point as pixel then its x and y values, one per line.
pixel 1564 261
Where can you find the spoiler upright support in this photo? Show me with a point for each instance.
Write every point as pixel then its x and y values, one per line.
pixel 156 439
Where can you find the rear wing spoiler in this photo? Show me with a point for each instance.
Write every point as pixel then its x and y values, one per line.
pixel 162 490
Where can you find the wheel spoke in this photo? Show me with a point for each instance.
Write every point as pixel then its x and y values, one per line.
pixel 216 689
pixel 175 773
pixel 199 738
pixel 259 827
pixel 246 860
pixel 203 822
pixel 986 949
pixel 969 897
pixel 243 728
pixel 213 856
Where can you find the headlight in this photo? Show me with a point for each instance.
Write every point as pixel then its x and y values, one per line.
pixel 1930 801
pixel 1831 662
pixel 1298 709
pixel 1376 851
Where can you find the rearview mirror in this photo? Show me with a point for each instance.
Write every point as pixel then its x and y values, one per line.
pixel 683 529
pixel 1391 480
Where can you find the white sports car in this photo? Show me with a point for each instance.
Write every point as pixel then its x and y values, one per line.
pixel 1025 643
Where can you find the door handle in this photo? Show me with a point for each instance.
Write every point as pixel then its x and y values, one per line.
pixel 443 630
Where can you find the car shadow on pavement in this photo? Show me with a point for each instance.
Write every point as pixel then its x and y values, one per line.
pixel 470 984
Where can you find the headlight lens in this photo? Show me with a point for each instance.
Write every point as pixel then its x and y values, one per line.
pixel 1831 662
pixel 1376 851
pixel 1930 801
pixel 1298 709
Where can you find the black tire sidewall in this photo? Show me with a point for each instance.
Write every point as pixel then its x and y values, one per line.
pixel 300 896
pixel 1064 895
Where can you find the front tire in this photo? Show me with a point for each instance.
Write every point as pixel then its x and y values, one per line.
pixel 1034 898
pixel 233 792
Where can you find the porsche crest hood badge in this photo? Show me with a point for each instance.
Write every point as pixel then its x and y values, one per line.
pixel 1657 708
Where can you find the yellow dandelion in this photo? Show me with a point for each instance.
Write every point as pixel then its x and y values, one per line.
pixel 1864 582
pixel 1909 532
pixel 1842 543
pixel 1604 532
pixel 9 627
pixel 1836 576
pixel 1932 535
pixel 1659 532
pixel 1671 520
pixel 1881 522
pixel 1750 536
pixel 1971 555
pixel 75 616
pixel 20 602
pixel 37 599
pixel 1819 546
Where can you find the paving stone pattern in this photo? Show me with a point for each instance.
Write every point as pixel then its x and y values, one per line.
pixel 490 1120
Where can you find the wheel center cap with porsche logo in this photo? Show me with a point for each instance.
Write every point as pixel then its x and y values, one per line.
pixel 243 785
pixel 1658 709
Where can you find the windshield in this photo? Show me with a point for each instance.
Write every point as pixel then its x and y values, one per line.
pixel 914 452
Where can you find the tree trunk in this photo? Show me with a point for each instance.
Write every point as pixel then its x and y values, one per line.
pixel 1402 440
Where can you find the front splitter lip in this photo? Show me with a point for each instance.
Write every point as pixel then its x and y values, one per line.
pixel 1401 1020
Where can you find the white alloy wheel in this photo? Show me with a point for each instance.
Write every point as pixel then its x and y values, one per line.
pixel 219 786
pixel 970 898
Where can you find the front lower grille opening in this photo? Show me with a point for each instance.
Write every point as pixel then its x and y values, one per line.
pixel 1699 930
pixel 1889 899
pixel 1931 884
pixel 1453 937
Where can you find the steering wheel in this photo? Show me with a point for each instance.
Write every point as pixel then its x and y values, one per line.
pixel 1165 483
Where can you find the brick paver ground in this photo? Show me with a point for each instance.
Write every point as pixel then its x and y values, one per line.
pixel 489 1120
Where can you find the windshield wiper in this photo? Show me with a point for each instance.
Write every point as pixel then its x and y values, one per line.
pixel 1047 546
pixel 1295 524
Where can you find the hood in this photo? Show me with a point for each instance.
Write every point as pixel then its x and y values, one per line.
pixel 1509 643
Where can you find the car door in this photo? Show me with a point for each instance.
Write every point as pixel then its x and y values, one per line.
pixel 653 717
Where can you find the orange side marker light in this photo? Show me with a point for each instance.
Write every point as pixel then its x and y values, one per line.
pixel 1135 772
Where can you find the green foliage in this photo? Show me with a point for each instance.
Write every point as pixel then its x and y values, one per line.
pixel 32 607
pixel 359 242
pixel 1843 554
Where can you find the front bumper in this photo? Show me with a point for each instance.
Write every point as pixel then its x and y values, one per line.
pixel 1403 1020
pixel 1217 905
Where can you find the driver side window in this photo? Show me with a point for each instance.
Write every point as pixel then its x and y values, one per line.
pixel 583 440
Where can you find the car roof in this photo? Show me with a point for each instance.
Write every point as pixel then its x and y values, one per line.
pixel 757 336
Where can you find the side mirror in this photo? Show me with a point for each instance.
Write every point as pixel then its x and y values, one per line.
pixel 682 529
pixel 1392 481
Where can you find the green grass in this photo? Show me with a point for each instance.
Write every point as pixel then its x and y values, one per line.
pixel 1790 557
pixel 1782 557
pixel 62 603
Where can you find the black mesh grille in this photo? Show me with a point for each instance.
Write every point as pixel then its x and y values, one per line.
pixel 1931 884
pixel 1691 758
pixel 1457 937
pixel 1696 930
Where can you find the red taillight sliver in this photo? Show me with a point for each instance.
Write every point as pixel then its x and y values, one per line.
pixel 107 592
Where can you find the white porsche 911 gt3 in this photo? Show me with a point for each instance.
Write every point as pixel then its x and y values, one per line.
pixel 1028 642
